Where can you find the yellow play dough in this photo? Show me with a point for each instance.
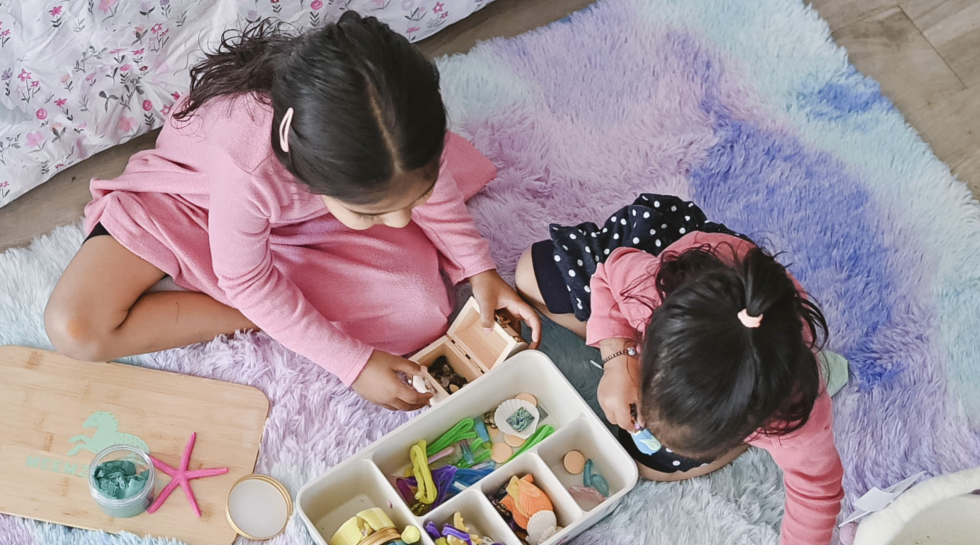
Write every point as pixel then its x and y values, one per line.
pixel 411 535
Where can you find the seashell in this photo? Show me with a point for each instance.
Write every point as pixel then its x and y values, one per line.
pixel 419 384
pixel 524 500
pixel 586 494
pixel 507 409
pixel 542 525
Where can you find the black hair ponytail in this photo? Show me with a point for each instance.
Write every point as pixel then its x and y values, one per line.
pixel 709 381
pixel 366 102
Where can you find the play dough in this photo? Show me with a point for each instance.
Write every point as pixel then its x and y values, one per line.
pixel 117 479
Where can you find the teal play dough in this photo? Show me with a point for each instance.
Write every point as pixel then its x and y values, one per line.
pixel 118 479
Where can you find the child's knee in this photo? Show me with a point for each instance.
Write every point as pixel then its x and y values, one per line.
pixel 527 282
pixel 73 334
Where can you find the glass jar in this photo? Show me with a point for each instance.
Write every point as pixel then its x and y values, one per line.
pixel 126 507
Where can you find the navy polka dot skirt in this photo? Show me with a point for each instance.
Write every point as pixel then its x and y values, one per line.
pixel 565 264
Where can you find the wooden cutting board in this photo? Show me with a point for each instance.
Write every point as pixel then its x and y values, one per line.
pixel 58 413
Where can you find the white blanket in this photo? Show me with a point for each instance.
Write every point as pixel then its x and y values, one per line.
pixel 80 76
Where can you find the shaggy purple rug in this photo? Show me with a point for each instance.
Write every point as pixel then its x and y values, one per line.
pixel 747 108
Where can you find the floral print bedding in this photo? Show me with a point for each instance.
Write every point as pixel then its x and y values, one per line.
pixel 80 76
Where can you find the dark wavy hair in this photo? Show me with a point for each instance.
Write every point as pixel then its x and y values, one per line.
pixel 366 102
pixel 708 381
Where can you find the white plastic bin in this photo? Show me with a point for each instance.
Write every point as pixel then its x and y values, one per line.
pixel 364 480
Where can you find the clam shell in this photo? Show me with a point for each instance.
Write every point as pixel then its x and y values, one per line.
pixel 509 407
pixel 542 525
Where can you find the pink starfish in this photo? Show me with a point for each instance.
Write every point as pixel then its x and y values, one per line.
pixel 181 477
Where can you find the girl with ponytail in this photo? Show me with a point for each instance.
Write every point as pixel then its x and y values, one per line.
pixel 708 346
pixel 307 187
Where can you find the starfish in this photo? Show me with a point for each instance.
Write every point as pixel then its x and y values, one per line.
pixel 182 477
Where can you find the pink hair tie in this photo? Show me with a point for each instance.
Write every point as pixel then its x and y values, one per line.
pixel 287 122
pixel 750 322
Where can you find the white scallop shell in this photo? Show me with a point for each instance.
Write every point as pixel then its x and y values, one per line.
pixel 509 407
pixel 541 526
pixel 419 384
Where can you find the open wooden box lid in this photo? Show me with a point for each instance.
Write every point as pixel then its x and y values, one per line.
pixel 487 349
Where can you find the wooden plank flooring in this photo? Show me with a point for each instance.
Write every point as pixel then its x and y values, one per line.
pixel 925 53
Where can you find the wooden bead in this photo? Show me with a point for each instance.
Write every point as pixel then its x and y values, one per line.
pixel 528 397
pixel 501 452
pixel 574 462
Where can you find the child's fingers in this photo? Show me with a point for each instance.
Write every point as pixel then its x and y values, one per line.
pixel 610 415
pixel 639 416
pixel 531 318
pixel 486 314
pixel 408 367
pixel 623 419
pixel 411 397
pixel 399 405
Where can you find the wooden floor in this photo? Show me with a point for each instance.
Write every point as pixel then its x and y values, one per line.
pixel 925 53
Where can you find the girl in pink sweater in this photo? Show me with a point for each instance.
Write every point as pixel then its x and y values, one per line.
pixel 308 187
pixel 708 346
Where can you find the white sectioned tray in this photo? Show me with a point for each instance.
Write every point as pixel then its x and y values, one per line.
pixel 364 481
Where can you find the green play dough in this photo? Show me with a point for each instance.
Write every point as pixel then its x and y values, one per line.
pixel 118 479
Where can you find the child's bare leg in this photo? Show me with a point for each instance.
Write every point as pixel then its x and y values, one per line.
pixel 99 309
pixel 653 475
pixel 527 287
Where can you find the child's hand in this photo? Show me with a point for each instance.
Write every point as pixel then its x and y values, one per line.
pixel 618 389
pixel 492 293
pixel 380 384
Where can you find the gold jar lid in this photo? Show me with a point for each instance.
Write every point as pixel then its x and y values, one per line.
pixel 258 507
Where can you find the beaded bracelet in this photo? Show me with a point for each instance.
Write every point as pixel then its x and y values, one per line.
pixel 629 350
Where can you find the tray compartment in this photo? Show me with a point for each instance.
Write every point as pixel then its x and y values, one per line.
pixel 360 486
pixel 592 441
pixel 328 500
pixel 504 383
pixel 566 509
pixel 478 514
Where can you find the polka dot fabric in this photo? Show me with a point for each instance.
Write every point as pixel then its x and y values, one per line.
pixel 651 223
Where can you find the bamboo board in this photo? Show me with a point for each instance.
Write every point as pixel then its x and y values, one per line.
pixel 60 412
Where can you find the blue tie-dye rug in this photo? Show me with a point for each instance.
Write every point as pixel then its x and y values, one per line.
pixel 750 110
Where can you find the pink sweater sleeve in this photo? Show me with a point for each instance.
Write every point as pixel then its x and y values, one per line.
pixel 812 474
pixel 239 229
pixel 449 225
pixel 614 314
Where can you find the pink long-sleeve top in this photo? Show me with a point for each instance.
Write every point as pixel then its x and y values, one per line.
pixel 220 166
pixel 812 471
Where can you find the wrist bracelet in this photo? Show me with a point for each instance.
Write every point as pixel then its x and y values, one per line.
pixel 629 351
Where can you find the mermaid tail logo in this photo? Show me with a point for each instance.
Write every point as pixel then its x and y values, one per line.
pixel 106 435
